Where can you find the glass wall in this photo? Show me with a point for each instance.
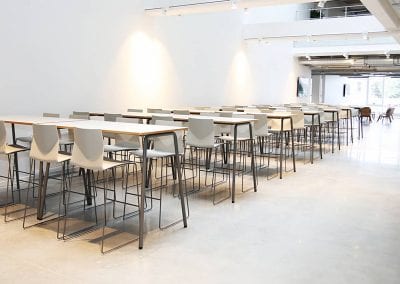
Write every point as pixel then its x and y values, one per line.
pixel 377 92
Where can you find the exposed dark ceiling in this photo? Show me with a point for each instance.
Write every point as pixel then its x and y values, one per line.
pixel 388 65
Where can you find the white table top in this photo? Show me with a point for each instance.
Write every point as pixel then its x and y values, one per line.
pixel 331 109
pixel 120 127
pixel 279 114
pixel 311 112
pixel 30 119
pixel 185 118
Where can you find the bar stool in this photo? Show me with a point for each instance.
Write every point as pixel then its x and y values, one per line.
pixel 243 140
pixel 9 151
pixel 200 139
pixel 283 128
pixel 181 111
pixel 135 110
pixel 45 149
pixel 87 153
pixel 124 143
pixel 263 136
pixel 163 149
pixel 28 139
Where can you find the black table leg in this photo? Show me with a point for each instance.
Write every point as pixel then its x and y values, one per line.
pixel 234 162
pixel 15 158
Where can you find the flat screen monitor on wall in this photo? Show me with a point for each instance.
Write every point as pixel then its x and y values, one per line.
pixel 303 87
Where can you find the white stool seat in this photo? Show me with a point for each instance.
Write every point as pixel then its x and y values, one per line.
pixel 8 149
pixel 63 158
pixel 153 154
pixel 116 148
pixel 108 164
pixel 231 138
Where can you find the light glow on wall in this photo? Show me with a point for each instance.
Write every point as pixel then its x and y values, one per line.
pixel 147 66
pixel 241 79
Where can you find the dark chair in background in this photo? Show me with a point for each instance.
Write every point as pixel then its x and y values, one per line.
pixel 365 112
pixel 388 114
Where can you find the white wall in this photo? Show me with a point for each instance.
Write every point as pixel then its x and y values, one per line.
pixel 101 55
pixel 334 90
pixel 287 13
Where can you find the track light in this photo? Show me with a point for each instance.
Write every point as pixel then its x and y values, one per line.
pixel 387 53
pixel 308 57
pixel 345 55
pixel 321 4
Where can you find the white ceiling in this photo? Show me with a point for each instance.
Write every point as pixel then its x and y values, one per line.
pixel 376 40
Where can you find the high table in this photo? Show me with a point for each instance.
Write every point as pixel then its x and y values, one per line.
pixel 146 131
pixel 233 121
pixel 26 120
pixel 348 117
pixel 313 114
pixel 334 112
pixel 191 111
pixel 282 116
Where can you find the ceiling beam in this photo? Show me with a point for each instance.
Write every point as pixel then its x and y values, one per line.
pixel 177 8
pixel 385 13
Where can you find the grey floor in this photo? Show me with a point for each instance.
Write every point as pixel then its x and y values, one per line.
pixel 336 221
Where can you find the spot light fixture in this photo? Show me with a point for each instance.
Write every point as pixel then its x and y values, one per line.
pixel 321 4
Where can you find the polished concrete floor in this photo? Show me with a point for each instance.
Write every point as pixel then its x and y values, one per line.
pixel 336 221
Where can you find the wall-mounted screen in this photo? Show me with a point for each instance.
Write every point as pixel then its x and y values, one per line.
pixel 303 87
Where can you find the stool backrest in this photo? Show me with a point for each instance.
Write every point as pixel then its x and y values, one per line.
pixel 80 116
pixel 48 114
pixel 182 111
pixel 156 118
pixel 88 149
pixel 45 143
pixel 242 130
pixel 260 125
pixel 126 140
pixel 111 116
pixel 201 132
pixel 166 143
pixel 135 110
pixel 298 119
pixel 81 113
